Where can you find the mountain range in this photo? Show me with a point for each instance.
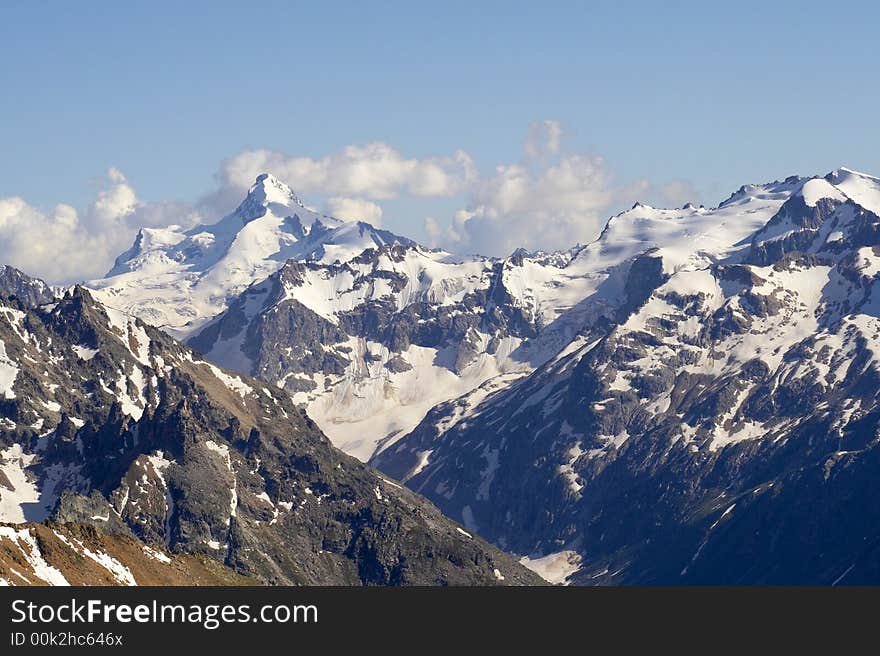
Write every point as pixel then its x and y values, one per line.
pixel 690 398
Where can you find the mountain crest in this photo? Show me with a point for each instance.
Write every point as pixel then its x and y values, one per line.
pixel 266 192
pixel 269 189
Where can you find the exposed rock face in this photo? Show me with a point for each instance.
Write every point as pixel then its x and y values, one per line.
pixel 30 292
pixel 369 330
pixel 396 326
pixel 723 430
pixel 112 424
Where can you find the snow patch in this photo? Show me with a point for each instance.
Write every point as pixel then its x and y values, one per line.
pixel 8 373
pixel 556 568
pixel 84 352
pixel 31 551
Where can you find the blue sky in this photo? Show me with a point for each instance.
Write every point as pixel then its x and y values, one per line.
pixel 706 95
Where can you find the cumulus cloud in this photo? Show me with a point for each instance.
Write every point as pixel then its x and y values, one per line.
pixel 433 231
pixel 63 245
pixel 550 199
pixel 354 209
pixel 115 201
pixel 677 192
pixel 374 171
pixel 555 207
pixel 543 139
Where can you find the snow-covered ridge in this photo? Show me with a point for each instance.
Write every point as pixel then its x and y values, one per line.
pixel 861 188
pixel 179 279
pixel 269 189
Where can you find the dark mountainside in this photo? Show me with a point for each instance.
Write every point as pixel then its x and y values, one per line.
pixel 723 430
pixel 140 438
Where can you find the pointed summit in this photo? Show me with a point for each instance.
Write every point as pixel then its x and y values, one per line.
pixel 269 189
pixel 205 266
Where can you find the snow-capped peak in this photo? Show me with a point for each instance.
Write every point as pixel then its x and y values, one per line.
pixel 179 278
pixel 268 192
pixel 269 189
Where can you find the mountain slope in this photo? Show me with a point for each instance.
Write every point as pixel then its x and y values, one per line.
pixel 722 430
pixel 70 554
pixel 355 321
pixel 371 344
pixel 110 423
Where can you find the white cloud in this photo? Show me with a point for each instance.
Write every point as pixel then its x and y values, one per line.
pixel 65 246
pixel 676 193
pixel 115 201
pixel 543 139
pixel 373 171
pixel 549 200
pixel 433 231
pixel 555 207
pixel 115 175
pixel 354 209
